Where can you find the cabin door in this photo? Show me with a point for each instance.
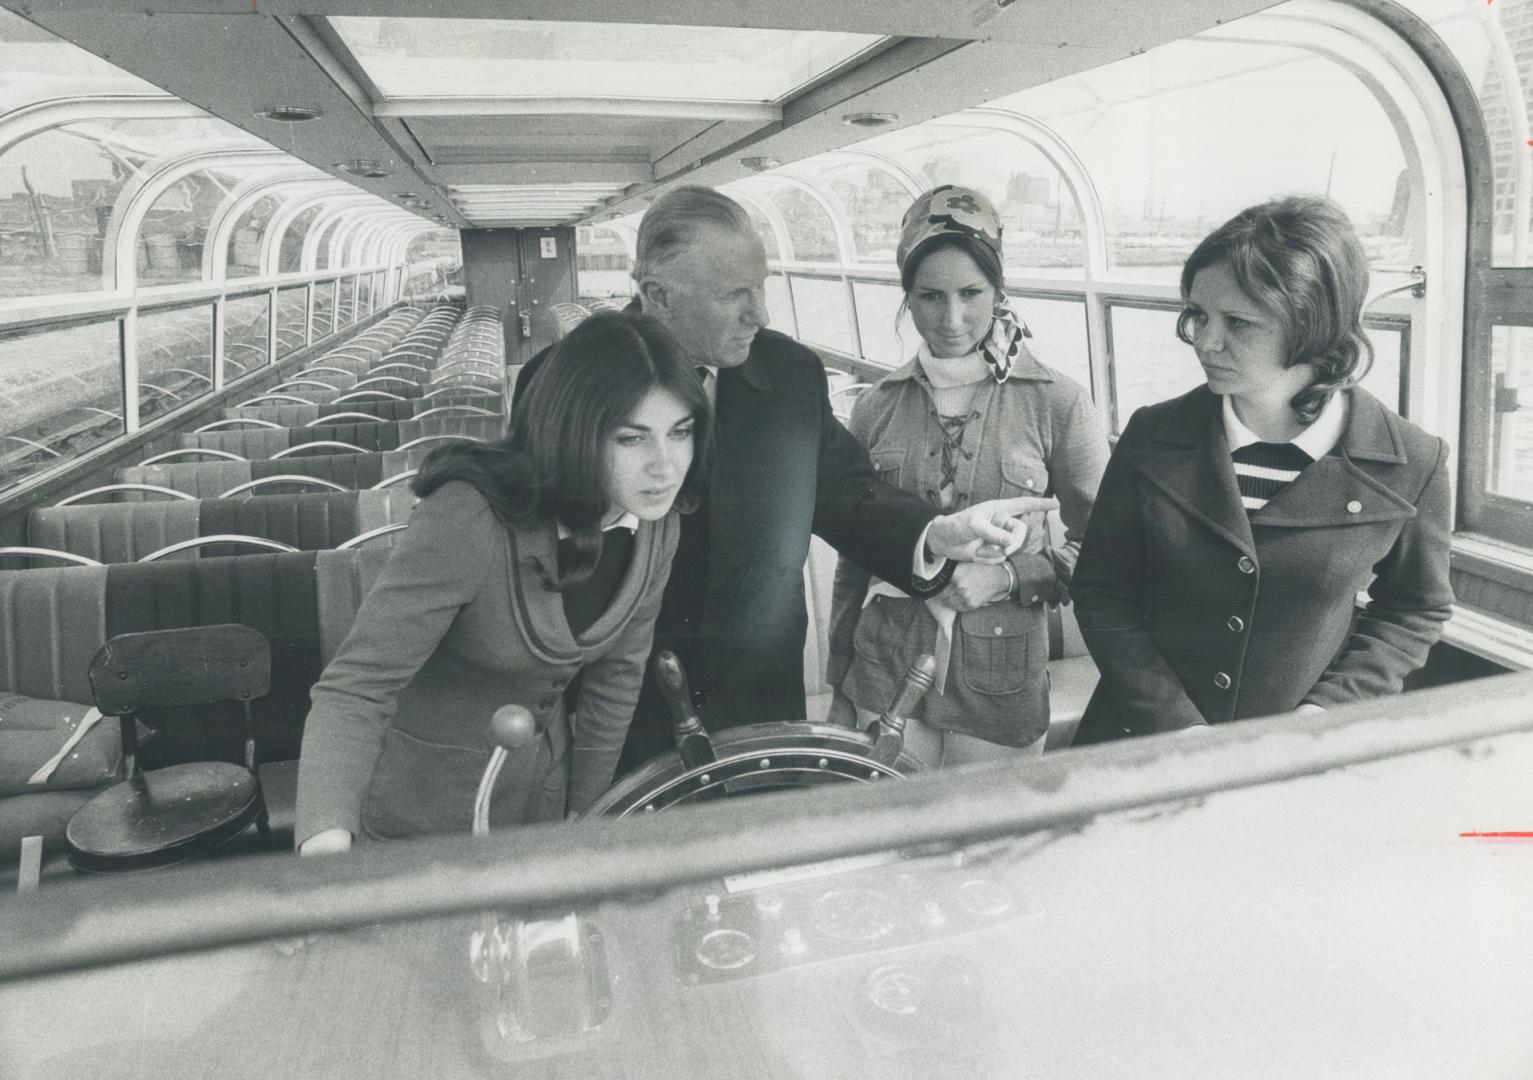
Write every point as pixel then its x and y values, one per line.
pixel 522 273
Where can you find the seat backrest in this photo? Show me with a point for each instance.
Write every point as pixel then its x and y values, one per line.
pixel 113 532
pixel 192 665
pixel 52 621
pixel 308 520
pixel 351 471
pixel 274 594
pixel 249 443
pixel 200 479
pixel 344 578
pixel 480 427
pixel 371 436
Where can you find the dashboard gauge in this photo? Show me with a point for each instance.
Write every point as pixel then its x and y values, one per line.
pixel 855 914
pixel 980 897
pixel 895 988
pixel 726 950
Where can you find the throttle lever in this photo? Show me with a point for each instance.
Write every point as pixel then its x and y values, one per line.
pixel 691 739
pixel 889 730
pixel 512 727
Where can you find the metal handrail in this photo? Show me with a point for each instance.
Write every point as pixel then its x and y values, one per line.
pixel 382 394
pixel 329 444
pixel 219 538
pixel 437 438
pixel 192 451
pixel 371 534
pixel 392 480
pixel 472 391
pixel 336 417
pixel 282 399
pixel 112 489
pixel 217 424
pixel 462 410
pixel 49 553
pixel 282 478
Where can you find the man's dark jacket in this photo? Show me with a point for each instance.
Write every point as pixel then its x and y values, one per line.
pixel 783 467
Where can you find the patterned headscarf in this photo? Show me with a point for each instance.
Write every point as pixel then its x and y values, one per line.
pixel 951 210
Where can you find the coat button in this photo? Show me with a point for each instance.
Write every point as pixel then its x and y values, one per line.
pixel 1235 623
pixel 1246 565
pixel 1221 680
pixel 997 631
pixel 1354 507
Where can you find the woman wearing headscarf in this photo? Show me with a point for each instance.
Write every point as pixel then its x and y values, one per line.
pixel 973 415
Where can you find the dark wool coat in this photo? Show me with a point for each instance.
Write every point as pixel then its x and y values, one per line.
pixel 458 624
pixel 1197 612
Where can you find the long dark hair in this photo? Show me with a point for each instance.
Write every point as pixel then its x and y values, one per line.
pixel 1299 257
pixel 552 464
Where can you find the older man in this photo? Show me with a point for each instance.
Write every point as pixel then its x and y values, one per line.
pixel 784 468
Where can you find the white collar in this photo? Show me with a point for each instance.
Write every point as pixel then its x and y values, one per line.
pixel 943 372
pixel 629 521
pixel 1317 440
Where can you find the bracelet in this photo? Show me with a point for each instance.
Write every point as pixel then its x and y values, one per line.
pixel 1011 576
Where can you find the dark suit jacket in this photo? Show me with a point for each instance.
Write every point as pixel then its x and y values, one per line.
pixel 783 468
pixel 1197 612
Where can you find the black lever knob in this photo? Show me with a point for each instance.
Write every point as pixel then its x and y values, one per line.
pixel 693 742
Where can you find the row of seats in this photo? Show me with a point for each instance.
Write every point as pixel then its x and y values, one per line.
pixel 191 528
pixel 53 622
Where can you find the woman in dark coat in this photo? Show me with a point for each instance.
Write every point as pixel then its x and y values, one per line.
pixel 526 563
pixel 1237 524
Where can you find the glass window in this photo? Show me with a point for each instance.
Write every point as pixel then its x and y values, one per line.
pixel 780 305
pixel 292 305
pixel 527 58
pixel 244 256
pixel 364 295
pixel 603 265
pixel 1180 138
pixel 346 306
pixel 822 315
pixel 290 258
pixel 171 238
pixel 60 395
pixel 1149 362
pixel 1510 468
pixel 1041 222
pixel 322 252
pixel 878 307
pixel 175 358
pixel 246 319
pixel 57 190
pixel 324 310
pixel 764 230
pixel 1491 44
pixel 811 234
pixel 37 65
pixel 1059 334
pixel 1383 378
pixel 872 201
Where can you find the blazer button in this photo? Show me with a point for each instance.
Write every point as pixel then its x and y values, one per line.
pixel 1245 565
pixel 1235 623
pixel 1221 680
pixel 1354 507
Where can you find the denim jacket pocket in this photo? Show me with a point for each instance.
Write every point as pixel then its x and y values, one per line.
pixel 1022 474
pixel 997 651
pixel 888 463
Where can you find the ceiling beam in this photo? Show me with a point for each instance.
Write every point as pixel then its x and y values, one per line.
pixel 663 108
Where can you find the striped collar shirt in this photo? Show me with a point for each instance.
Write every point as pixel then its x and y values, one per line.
pixel 1262 469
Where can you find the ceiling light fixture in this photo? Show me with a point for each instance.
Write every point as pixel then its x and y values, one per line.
pixel 362 167
pixel 760 163
pixel 290 114
pixel 869 119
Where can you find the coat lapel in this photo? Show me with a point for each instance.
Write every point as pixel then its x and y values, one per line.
pixel 1340 488
pixel 1189 463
